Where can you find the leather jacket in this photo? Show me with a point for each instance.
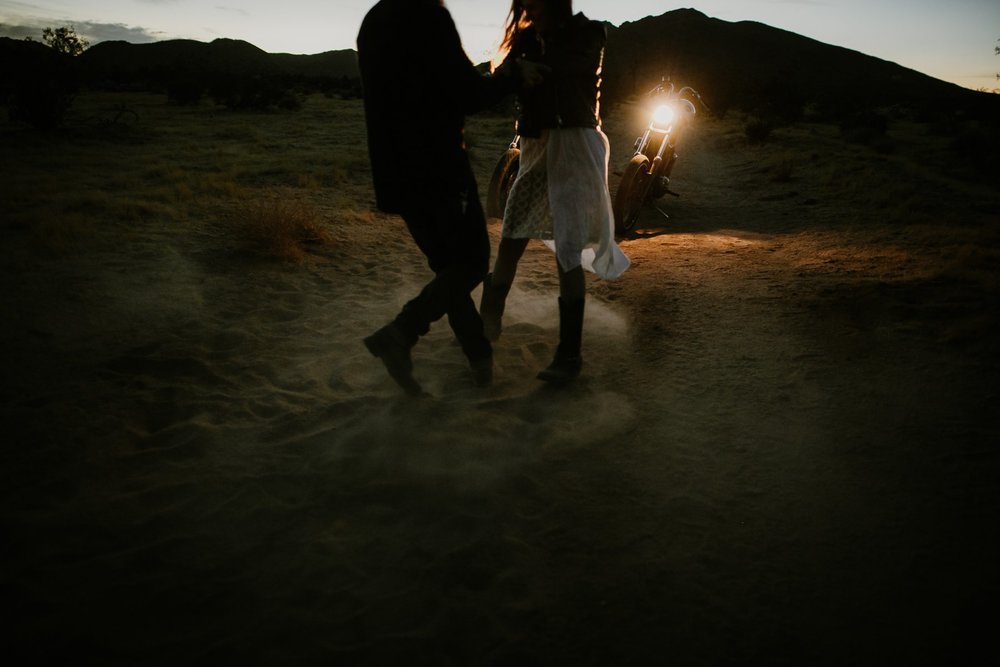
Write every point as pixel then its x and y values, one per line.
pixel 570 95
pixel 418 85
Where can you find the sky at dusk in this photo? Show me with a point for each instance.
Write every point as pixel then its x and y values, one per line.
pixel 952 40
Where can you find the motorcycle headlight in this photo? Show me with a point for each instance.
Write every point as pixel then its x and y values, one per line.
pixel 663 115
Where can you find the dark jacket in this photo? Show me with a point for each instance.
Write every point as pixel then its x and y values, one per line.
pixel 570 95
pixel 418 85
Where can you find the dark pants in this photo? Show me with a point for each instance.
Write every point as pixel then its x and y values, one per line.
pixel 451 232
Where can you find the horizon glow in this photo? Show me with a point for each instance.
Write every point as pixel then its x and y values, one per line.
pixel 950 41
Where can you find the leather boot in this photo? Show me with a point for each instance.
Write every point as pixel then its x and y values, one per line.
pixel 568 361
pixel 491 307
pixel 392 346
pixel 482 370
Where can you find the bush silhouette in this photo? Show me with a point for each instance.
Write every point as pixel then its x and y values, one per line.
pixel 65 40
pixel 255 94
pixel 185 91
pixel 42 89
pixel 868 128
pixel 758 130
pixel 41 82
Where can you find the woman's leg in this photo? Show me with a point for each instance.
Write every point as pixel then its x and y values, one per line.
pixel 508 255
pixel 568 360
pixel 497 285
pixel 572 285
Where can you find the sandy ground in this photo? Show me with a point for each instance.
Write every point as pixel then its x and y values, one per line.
pixel 783 449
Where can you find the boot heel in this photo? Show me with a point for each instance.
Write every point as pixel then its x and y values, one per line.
pixel 562 370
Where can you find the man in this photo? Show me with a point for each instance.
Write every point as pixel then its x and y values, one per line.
pixel 418 85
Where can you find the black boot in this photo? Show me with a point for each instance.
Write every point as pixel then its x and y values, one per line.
pixel 482 370
pixel 491 307
pixel 567 363
pixel 392 346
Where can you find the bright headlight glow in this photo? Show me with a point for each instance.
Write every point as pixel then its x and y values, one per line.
pixel 663 115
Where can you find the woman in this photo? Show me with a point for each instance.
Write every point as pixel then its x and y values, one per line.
pixel 561 191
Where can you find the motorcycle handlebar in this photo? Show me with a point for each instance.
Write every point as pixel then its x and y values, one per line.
pixel 697 96
pixel 668 89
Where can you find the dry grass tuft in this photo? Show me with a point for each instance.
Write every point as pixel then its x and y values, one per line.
pixel 63 234
pixel 280 228
pixel 977 263
pixel 782 171
pixel 357 215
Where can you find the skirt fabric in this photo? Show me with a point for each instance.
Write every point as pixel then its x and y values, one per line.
pixel 561 196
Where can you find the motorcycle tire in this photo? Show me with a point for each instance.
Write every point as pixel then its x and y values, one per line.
pixel 631 194
pixel 501 182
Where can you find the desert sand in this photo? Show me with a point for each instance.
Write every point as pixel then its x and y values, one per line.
pixel 782 449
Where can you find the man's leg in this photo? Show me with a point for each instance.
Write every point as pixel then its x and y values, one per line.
pixel 393 342
pixel 452 235
pixel 471 251
pixel 457 247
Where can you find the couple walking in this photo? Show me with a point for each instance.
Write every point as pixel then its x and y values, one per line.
pixel 418 86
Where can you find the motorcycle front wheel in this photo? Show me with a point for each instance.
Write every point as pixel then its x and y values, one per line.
pixel 631 194
pixel 501 182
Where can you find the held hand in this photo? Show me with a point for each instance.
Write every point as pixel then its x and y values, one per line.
pixel 531 73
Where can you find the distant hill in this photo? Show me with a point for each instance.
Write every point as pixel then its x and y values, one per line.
pixel 734 63
pixel 219 57
pixel 743 64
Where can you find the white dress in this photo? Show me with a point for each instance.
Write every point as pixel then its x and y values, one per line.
pixel 561 196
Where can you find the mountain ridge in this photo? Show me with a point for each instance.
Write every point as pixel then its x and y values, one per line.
pixel 738 61
pixel 733 64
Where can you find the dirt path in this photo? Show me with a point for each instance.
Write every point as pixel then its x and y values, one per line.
pixel 812 448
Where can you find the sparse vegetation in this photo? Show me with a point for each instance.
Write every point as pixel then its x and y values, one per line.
pixel 256 94
pixel 42 97
pixel 185 91
pixel 127 159
pixel 979 147
pixel 868 128
pixel 782 170
pixel 996 51
pixel 65 40
pixel 44 81
pixel 279 227
pixel 757 129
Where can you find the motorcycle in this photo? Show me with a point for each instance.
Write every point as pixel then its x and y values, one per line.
pixel 502 179
pixel 646 178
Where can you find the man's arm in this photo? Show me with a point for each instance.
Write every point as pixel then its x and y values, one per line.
pixel 457 79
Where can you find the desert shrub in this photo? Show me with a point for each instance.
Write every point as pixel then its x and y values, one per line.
pixel 868 120
pixel 279 228
pixel 941 126
pixel 780 99
pixel 351 91
pixel 255 94
pixel 721 104
pixel 758 130
pixel 42 89
pixel 344 88
pixel 65 40
pixel 979 147
pixel 868 128
pixel 782 170
pixel 289 101
pixel 186 92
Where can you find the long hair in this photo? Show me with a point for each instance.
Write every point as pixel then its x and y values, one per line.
pixel 517 21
